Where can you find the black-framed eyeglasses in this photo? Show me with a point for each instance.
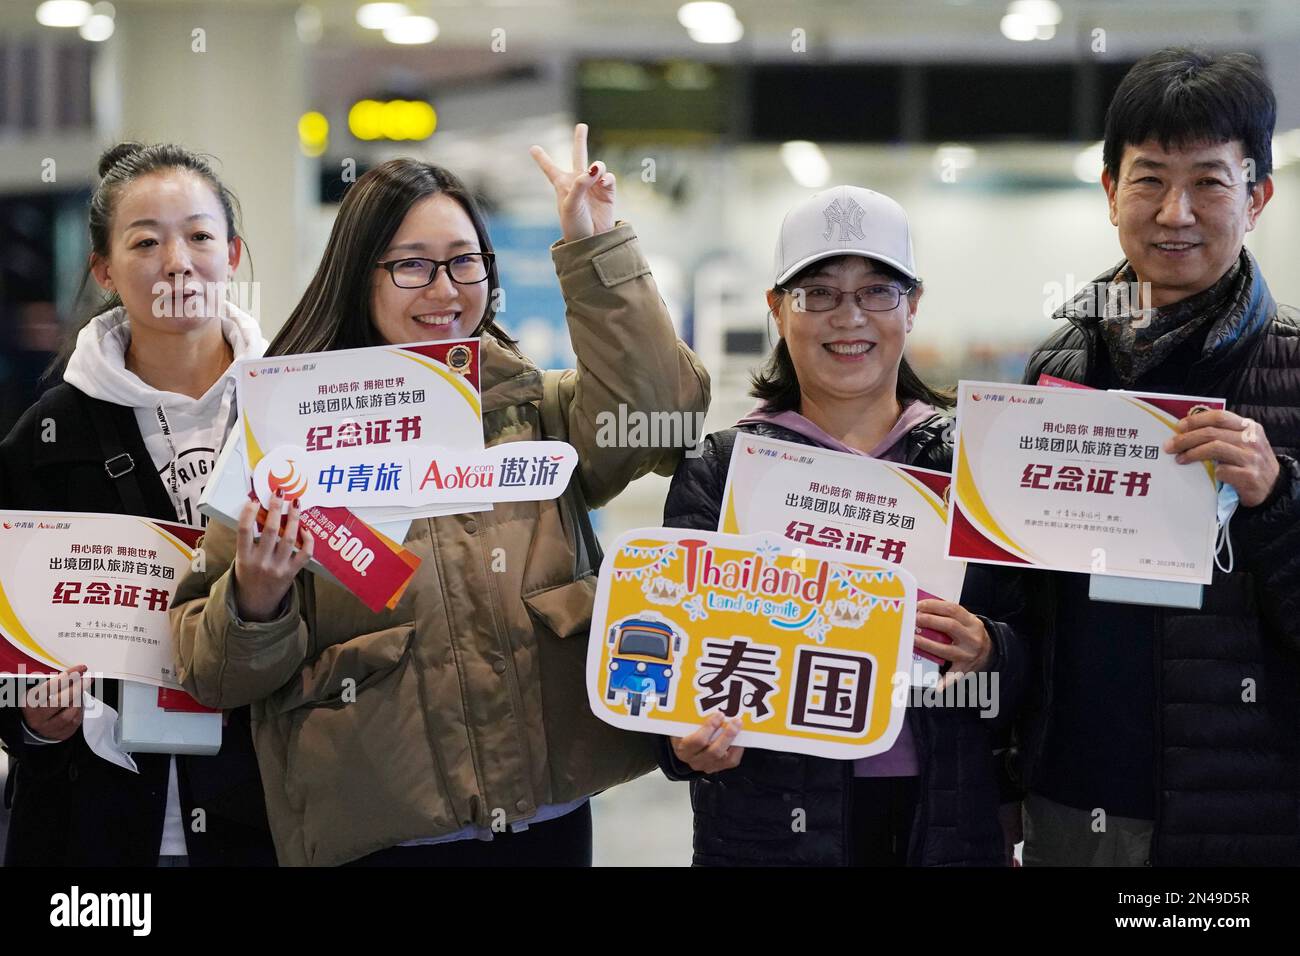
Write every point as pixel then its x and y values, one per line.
pixel 879 297
pixel 415 273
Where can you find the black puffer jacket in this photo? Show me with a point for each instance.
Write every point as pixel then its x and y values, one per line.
pixel 1228 768
pixel 743 816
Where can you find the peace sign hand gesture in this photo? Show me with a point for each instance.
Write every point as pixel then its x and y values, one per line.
pixel 585 194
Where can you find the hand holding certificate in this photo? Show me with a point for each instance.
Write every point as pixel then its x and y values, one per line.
pixel 53 709
pixel 1238 446
pixel 266 566
pixel 968 645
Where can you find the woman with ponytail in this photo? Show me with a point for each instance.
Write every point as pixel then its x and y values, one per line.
pixel 146 402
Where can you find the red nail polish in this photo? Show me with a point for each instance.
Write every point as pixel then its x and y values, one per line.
pixel 592 171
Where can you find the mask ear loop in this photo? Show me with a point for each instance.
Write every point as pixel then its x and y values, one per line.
pixel 1224 539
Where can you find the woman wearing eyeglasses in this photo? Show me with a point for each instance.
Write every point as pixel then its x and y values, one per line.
pixel 844 299
pixel 469 740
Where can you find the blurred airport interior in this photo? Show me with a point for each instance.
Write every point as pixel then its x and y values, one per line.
pixel 981 117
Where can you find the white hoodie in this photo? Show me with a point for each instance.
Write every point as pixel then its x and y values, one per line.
pixel 183 435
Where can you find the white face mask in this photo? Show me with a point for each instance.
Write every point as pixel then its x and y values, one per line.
pixel 1227 505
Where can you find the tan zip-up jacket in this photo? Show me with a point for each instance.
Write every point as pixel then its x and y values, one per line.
pixel 470 695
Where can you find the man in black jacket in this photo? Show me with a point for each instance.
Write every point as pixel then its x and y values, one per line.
pixel 1157 735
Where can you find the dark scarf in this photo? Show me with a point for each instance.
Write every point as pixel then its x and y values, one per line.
pixel 1139 340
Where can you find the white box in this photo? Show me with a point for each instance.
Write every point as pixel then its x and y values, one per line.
pixel 144 727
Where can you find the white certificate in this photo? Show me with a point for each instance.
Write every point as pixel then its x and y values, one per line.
pixel 91 589
pixel 876 510
pixel 1072 479
pixel 385 399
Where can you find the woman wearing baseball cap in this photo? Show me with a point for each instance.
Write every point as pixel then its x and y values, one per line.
pixel 844 299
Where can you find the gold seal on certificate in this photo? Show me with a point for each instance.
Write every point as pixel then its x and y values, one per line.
pixel 459 358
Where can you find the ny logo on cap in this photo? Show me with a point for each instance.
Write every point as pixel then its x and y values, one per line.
pixel 849 219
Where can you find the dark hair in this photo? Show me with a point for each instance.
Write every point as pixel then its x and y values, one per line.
pixel 1181 97
pixel 776 384
pixel 334 312
pixel 119 166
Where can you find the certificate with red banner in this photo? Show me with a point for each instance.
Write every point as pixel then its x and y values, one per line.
pixel 354 402
pixel 336 403
pixel 90 589
pixel 1076 480
pixel 873 509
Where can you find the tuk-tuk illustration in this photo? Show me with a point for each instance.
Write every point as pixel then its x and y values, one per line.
pixel 641 662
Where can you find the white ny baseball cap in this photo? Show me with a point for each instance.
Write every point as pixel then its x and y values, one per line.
pixel 844 221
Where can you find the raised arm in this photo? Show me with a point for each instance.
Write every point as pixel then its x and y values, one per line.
pixel 630 360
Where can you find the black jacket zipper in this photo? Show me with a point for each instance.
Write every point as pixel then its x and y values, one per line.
pixel 1157 709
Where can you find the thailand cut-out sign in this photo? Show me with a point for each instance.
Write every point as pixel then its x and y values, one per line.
pixel 803 644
